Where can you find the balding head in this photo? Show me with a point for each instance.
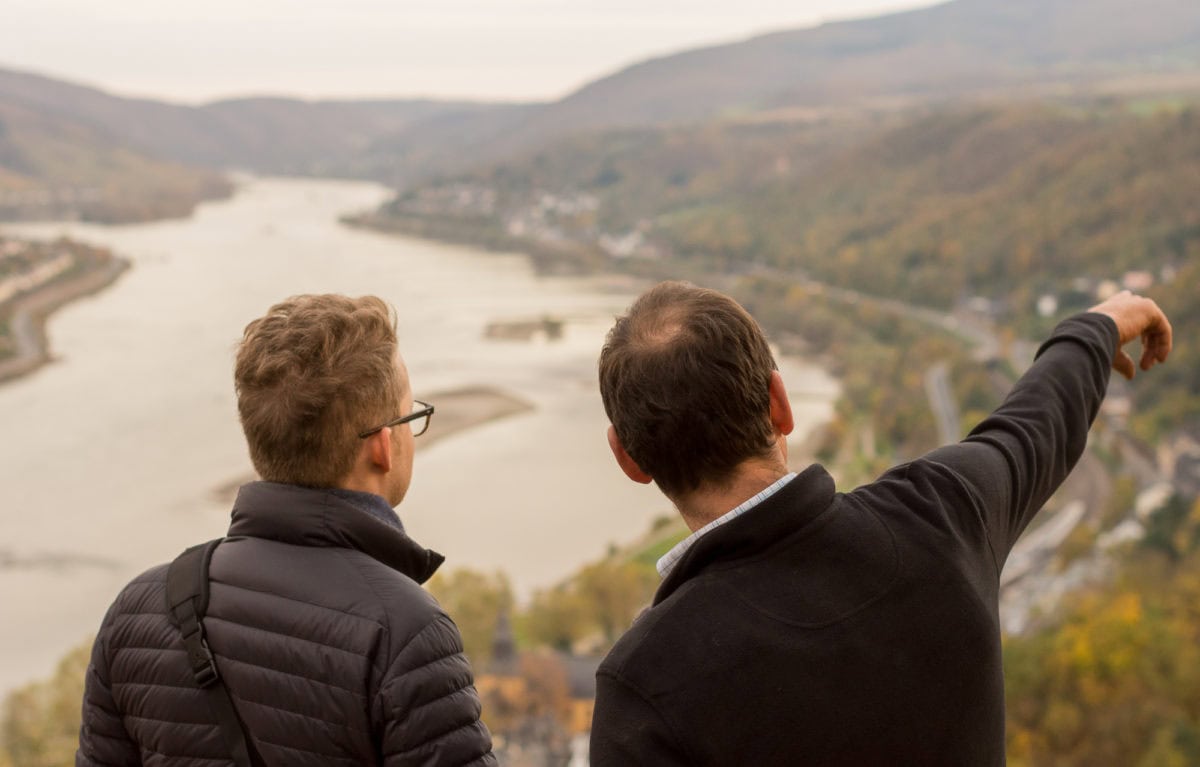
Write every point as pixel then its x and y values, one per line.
pixel 685 379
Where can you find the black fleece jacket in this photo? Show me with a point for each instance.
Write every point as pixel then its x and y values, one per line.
pixel 823 628
pixel 332 652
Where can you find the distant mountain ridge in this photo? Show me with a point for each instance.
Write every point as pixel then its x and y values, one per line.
pixel 955 49
pixel 267 134
pixel 951 49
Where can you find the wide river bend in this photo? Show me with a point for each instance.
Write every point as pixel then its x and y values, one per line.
pixel 112 456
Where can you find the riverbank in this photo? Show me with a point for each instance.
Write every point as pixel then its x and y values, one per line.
pixel 142 194
pixel 26 315
pixel 549 257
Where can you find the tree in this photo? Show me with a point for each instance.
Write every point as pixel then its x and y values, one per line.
pixel 1117 679
pixel 557 618
pixel 599 601
pixel 41 720
pixel 614 593
pixel 474 601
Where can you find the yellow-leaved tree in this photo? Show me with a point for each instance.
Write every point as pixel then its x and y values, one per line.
pixel 41 720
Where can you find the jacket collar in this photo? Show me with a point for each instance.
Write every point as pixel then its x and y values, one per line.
pixel 306 516
pixel 795 505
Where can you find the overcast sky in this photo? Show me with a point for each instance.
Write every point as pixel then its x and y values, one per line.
pixel 493 49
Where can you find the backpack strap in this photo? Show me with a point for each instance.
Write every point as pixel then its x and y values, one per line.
pixel 187 603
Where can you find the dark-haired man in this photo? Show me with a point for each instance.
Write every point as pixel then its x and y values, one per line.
pixel 799 625
pixel 327 650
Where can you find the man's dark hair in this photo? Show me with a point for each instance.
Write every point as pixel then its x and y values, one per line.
pixel 685 380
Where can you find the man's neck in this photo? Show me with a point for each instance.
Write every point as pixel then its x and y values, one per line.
pixel 709 502
pixel 366 482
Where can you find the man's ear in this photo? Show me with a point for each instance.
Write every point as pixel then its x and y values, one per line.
pixel 379 449
pixel 781 407
pixel 627 464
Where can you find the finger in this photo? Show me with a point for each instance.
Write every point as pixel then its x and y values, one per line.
pixel 1150 343
pixel 1123 364
pixel 1149 358
pixel 1164 339
pixel 1150 351
pixel 1156 345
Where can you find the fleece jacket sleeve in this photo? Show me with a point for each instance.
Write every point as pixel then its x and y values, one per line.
pixel 1013 461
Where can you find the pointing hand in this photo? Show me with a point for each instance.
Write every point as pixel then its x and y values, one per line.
pixel 1136 317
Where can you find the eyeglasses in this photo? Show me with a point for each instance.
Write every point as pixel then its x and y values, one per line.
pixel 420 416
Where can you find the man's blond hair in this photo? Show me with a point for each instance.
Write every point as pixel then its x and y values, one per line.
pixel 311 374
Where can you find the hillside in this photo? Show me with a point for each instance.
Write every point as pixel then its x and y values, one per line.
pixel 958 48
pixel 1001 201
pixel 52 167
pixel 1014 214
pixel 1004 202
pixel 267 135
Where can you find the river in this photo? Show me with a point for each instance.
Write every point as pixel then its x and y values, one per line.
pixel 112 455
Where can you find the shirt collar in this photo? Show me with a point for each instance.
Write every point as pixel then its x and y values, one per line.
pixel 372 504
pixel 668 561
pixel 305 516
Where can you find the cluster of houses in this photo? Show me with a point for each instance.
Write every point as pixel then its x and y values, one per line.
pixel 1137 281
pixel 545 217
pixel 538 703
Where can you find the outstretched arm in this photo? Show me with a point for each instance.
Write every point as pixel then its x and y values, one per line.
pixel 1013 461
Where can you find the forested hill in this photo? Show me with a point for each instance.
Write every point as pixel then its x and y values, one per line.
pixel 961 47
pixel 55 167
pixel 1002 200
pixel 1008 203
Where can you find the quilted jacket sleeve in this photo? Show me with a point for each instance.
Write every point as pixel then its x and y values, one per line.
pixel 103 739
pixel 430 706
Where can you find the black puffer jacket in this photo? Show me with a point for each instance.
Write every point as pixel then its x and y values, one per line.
pixel 332 652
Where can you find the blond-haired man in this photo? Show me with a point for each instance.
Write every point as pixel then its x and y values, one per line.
pixel 316 630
